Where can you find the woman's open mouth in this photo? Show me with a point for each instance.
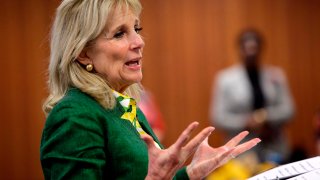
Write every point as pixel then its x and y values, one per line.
pixel 134 64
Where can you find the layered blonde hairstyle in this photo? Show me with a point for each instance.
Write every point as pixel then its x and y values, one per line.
pixel 77 24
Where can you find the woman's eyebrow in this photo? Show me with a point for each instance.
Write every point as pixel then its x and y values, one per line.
pixel 121 26
pixel 115 29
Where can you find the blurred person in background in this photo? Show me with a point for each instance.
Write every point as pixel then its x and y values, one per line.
pixel 94 130
pixel 255 97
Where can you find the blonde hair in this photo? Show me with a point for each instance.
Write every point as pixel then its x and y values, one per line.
pixel 77 24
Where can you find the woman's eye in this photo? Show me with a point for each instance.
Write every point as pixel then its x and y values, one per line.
pixel 138 29
pixel 119 35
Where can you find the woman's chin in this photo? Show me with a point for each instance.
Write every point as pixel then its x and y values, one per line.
pixel 136 78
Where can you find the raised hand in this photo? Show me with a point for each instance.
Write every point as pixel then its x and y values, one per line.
pixel 164 163
pixel 206 158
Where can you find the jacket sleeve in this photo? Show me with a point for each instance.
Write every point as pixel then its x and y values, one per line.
pixel 182 174
pixel 283 109
pixel 220 113
pixel 72 145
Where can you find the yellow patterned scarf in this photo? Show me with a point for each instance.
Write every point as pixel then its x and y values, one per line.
pixel 130 107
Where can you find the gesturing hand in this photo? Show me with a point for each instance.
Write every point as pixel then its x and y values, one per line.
pixel 164 163
pixel 206 159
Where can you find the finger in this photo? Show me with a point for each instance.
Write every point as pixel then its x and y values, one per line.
pixel 236 140
pixel 198 139
pixel 245 146
pixel 148 140
pixel 183 138
pixel 205 142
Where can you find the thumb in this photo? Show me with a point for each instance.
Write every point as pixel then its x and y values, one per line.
pixel 206 141
pixel 148 140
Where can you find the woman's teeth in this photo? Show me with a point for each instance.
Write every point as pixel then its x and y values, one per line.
pixel 132 63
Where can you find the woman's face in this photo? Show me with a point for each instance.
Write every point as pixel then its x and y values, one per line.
pixel 250 51
pixel 116 55
pixel 251 47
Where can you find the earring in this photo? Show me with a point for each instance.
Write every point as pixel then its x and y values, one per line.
pixel 89 67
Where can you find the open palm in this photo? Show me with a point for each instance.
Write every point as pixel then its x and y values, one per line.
pixel 206 158
pixel 164 163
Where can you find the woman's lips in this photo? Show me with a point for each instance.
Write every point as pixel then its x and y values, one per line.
pixel 134 64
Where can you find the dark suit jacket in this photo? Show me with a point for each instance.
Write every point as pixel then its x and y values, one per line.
pixel 82 140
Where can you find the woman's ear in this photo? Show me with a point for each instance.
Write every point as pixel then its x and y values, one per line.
pixel 83 57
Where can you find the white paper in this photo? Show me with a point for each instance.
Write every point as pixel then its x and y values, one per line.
pixel 313 175
pixel 290 170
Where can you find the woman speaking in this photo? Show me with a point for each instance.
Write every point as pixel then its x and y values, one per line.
pixel 94 129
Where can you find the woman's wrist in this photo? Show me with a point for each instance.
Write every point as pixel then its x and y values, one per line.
pixel 191 174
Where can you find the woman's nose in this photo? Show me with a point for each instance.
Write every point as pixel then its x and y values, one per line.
pixel 136 41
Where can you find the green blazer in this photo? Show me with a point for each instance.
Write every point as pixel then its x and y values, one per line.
pixel 82 140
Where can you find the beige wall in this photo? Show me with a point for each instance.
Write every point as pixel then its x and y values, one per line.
pixel 188 41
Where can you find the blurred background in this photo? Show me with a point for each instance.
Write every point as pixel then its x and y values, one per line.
pixel 187 43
